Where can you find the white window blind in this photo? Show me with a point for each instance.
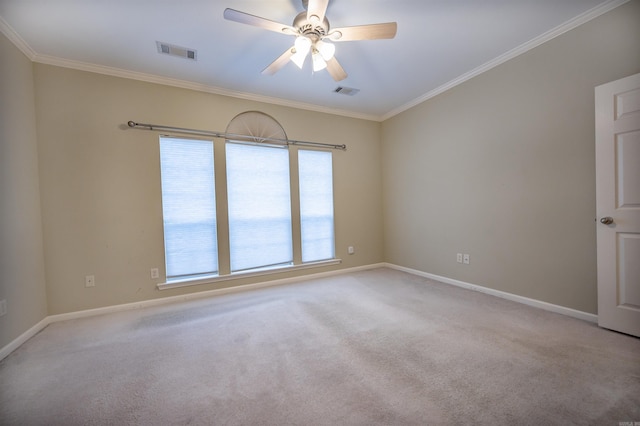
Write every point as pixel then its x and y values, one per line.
pixel 316 205
pixel 259 202
pixel 188 207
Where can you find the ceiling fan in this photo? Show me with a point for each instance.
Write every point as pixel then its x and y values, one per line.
pixel 314 35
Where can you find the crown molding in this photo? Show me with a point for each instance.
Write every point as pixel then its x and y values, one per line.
pixel 15 38
pixel 583 18
pixel 24 47
pixel 184 84
pixel 523 48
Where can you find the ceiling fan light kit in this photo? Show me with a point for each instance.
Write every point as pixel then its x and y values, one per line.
pixel 312 32
pixel 318 62
pixel 300 50
pixel 297 58
pixel 327 50
pixel 302 45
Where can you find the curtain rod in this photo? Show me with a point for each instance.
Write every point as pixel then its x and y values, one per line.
pixel 232 136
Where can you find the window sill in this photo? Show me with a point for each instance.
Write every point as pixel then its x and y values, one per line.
pixel 239 275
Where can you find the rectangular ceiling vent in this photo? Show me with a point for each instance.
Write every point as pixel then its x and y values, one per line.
pixel 349 91
pixel 173 50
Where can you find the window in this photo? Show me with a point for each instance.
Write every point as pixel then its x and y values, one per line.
pixel 259 198
pixel 316 205
pixel 188 207
pixel 258 201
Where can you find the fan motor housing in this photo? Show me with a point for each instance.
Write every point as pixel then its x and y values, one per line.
pixel 309 29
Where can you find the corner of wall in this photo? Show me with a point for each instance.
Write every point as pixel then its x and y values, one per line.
pixel 22 282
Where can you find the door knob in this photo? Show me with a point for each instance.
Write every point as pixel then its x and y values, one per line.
pixel 606 220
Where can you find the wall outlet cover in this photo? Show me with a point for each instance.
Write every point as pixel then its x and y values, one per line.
pixel 90 281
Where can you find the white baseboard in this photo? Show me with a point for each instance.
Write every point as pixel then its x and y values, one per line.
pixel 15 344
pixel 204 294
pixel 585 316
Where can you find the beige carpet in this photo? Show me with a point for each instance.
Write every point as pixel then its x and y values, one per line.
pixel 378 347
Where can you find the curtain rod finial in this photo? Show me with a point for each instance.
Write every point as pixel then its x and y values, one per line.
pixel 131 124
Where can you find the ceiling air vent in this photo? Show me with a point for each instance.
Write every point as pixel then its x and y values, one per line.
pixel 173 50
pixel 349 91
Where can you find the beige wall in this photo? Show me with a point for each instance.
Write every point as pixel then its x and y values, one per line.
pixel 22 279
pixel 100 181
pixel 502 167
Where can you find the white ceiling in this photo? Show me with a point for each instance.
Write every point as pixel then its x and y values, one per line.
pixel 439 44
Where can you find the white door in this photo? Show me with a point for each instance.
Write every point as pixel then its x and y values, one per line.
pixel 618 204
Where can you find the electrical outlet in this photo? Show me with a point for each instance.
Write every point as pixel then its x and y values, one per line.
pixel 465 259
pixel 351 250
pixel 155 273
pixel 90 281
pixel 3 307
pixel 459 257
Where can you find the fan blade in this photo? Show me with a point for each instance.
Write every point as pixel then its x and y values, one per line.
pixel 364 32
pixel 282 60
pixel 335 69
pixel 256 21
pixel 317 8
